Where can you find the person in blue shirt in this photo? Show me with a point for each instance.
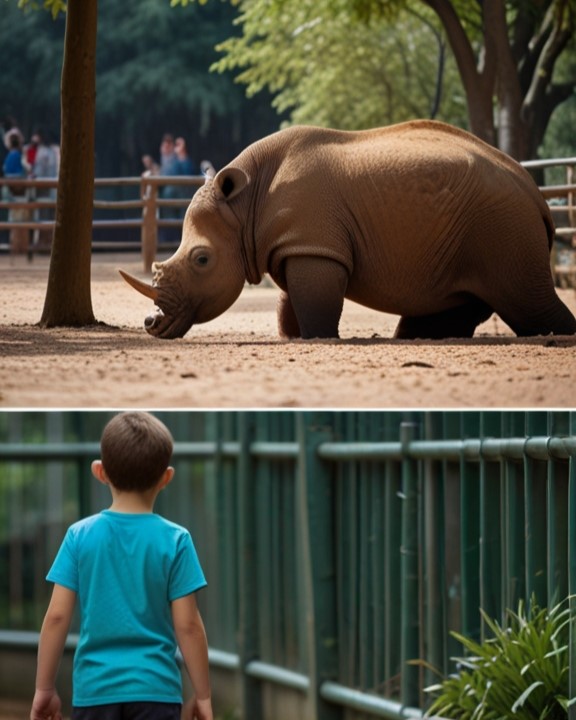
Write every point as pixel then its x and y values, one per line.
pixel 134 576
pixel 13 165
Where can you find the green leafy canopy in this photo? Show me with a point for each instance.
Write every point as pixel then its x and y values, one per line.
pixel 55 7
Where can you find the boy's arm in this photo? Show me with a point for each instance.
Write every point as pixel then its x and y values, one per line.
pixel 55 628
pixel 193 645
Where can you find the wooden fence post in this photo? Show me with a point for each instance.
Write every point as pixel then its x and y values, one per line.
pixel 149 231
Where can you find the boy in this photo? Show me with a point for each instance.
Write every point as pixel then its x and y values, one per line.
pixel 134 575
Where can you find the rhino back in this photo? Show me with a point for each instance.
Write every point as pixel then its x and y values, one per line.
pixel 389 203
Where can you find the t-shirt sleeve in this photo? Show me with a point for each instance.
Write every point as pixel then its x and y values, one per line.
pixel 64 570
pixel 186 576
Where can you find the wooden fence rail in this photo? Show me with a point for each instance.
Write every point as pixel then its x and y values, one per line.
pixel 28 213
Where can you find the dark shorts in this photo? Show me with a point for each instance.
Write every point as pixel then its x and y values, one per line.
pixel 129 711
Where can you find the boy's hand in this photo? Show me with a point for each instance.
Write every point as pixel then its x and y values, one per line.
pixel 46 706
pixel 198 710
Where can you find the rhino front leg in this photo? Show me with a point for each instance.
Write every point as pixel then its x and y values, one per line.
pixel 316 287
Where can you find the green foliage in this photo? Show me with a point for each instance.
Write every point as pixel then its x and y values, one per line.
pixel 55 7
pixel 328 67
pixel 152 77
pixel 184 3
pixel 134 66
pixel 520 672
pixel 31 45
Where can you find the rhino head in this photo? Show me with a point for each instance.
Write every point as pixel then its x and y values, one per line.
pixel 207 273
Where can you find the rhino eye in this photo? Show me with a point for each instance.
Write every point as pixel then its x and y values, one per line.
pixel 201 257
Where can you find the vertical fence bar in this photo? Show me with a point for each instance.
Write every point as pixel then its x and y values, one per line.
pixel 410 611
pixel 365 619
pixel 434 556
pixel 222 541
pixel 512 518
pixel 376 480
pixel 348 572
pixel 248 640
pixel 558 518
pixel 293 643
pixel 264 501
pixel 572 569
pixel 490 525
pixel 15 574
pixel 393 505
pixel 536 514
pixel 316 503
pixel 470 533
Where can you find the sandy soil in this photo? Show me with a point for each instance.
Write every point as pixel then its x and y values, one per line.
pixel 237 360
pixel 14 710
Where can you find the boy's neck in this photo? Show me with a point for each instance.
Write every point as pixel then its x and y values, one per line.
pixel 132 502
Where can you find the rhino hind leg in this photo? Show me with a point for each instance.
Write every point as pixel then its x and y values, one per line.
pixel 544 318
pixel 457 322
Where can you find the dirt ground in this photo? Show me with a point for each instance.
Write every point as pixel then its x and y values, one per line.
pixel 14 710
pixel 238 361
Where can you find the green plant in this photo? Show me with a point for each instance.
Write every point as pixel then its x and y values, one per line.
pixel 521 672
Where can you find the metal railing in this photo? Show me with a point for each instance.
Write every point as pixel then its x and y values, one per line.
pixel 338 546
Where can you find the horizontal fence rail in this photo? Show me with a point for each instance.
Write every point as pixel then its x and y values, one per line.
pixel 561 198
pixel 148 211
pixel 338 546
pixel 494 449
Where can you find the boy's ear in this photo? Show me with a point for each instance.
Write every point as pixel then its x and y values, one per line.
pixel 167 477
pixel 99 473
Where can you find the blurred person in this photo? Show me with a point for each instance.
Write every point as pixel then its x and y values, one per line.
pixel 168 157
pixel 185 167
pixel 14 167
pixel 46 165
pixel 10 128
pixel 185 164
pixel 31 150
pixel 168 166
pixel 150 165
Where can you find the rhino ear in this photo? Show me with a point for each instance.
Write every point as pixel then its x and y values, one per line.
pixel 230 182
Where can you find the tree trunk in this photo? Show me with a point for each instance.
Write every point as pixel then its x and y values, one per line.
pixel 68 301
pixel 478 83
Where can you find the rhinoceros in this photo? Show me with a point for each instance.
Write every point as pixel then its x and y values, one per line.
pixel 419 219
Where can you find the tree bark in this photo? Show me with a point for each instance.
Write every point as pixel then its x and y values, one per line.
pixel 68 300
pixel 478 82
pixel 515 70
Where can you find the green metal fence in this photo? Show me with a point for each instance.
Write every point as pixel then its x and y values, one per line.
pixel 338 545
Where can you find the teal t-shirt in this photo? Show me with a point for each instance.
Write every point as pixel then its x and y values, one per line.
pixel 126 570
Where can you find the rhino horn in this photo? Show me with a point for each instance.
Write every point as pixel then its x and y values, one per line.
pixel 148 290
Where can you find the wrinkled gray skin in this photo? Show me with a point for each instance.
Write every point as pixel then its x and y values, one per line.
pixel 419 219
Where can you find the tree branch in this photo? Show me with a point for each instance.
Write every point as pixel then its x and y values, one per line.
pixel 562 18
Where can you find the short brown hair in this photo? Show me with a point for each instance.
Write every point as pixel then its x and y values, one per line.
pixel 136 449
